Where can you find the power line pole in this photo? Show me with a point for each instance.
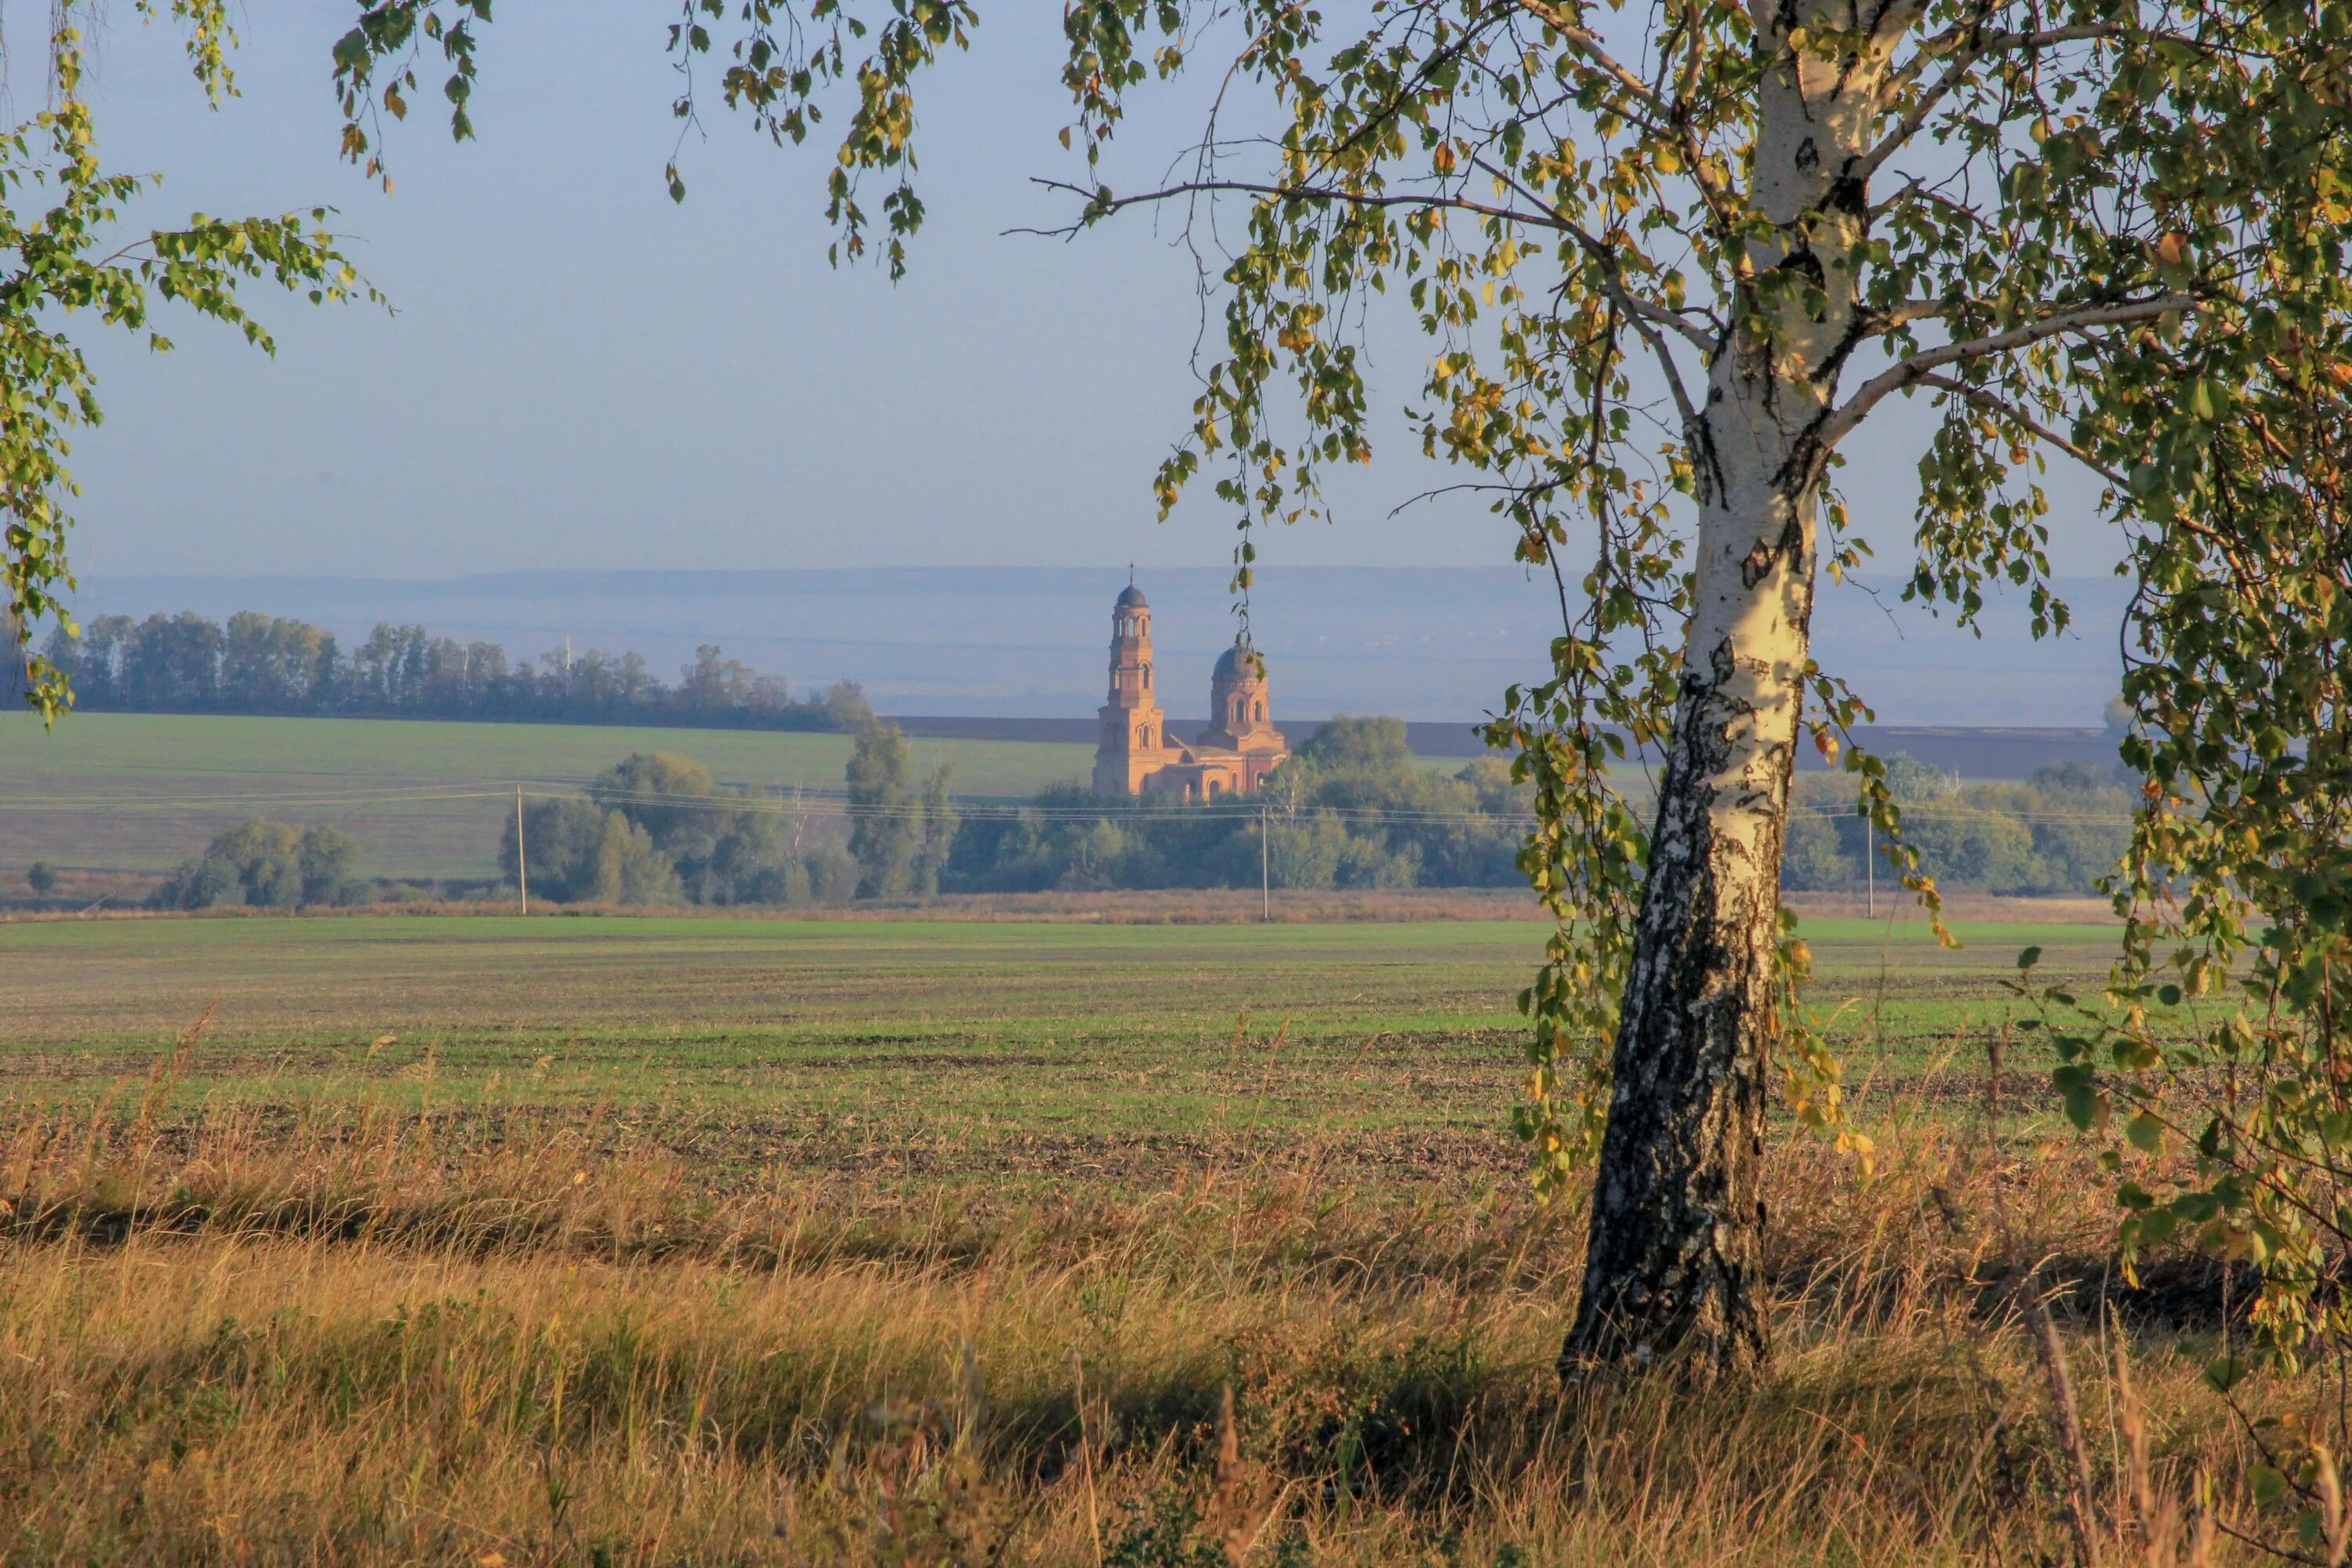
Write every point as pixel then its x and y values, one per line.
pixel 522 871
pixel 1870 864
pixel 1265 873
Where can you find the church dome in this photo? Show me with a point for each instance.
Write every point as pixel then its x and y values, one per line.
pixel 1239 662
pixel 1131 598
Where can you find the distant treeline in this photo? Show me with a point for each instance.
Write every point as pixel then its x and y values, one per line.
pixel 2056 833
pixel 266 664
pixel 1350 809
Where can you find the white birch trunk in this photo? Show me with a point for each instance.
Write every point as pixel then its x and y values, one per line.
pixel 1674 1260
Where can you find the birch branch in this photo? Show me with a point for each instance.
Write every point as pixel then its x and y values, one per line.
pixel 1911 371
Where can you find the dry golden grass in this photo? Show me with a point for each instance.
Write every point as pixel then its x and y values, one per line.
pixel 300 1335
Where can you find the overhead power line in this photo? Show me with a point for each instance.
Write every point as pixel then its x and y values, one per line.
pixel 829 806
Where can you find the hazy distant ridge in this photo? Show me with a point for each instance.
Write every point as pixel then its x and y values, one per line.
pixel 1436 644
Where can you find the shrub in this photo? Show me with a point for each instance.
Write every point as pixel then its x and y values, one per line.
pixel 1814 859
pixel 578 852
pixel 269 865
pixel 656 827
pixel 831 875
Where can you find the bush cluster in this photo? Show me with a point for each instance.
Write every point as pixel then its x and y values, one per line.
pixel 658 830
pixel 271 866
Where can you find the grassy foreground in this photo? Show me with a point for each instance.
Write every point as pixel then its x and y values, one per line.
pixel 993 1243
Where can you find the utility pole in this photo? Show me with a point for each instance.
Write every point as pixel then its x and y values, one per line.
pixel 1265 873
pixel 1870 864
pixel 523 873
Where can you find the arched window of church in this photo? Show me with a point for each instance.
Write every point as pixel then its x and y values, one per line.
pixel 1261 709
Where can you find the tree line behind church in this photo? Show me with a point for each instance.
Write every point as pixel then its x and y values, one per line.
pixel 1350 809
pixel 272 665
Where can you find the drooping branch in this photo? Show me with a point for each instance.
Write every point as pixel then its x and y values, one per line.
pixel 1980 397
pixel 1957 72
pixel 1100 205
pixel 1588 45
pixel 1605 255
pixel 1665 356
pixel 1913 370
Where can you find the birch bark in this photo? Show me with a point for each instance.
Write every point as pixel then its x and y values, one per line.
pixel 1674 1258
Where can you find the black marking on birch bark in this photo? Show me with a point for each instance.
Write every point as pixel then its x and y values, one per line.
pixel 1801 468
pixel 1762 555
pixel 1676 1255
pixel 1707 463
pixel 1803 259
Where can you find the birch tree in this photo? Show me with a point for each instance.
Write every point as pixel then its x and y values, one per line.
pixel 1669 262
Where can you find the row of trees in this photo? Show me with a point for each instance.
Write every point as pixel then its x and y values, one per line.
pixel 1350 809
pixel 268 664
pixel 2058 833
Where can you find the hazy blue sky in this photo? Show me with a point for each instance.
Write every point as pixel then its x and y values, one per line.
pixel 580 374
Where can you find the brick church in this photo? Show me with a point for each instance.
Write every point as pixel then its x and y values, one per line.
pixel 1137 756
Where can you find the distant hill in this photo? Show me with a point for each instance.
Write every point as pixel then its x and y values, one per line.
pixel 1431 644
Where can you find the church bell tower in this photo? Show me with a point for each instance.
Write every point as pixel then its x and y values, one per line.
pixel 1133 727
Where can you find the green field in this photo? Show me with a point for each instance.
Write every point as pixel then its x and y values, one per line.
pixel 975 1042
pixel 143 792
